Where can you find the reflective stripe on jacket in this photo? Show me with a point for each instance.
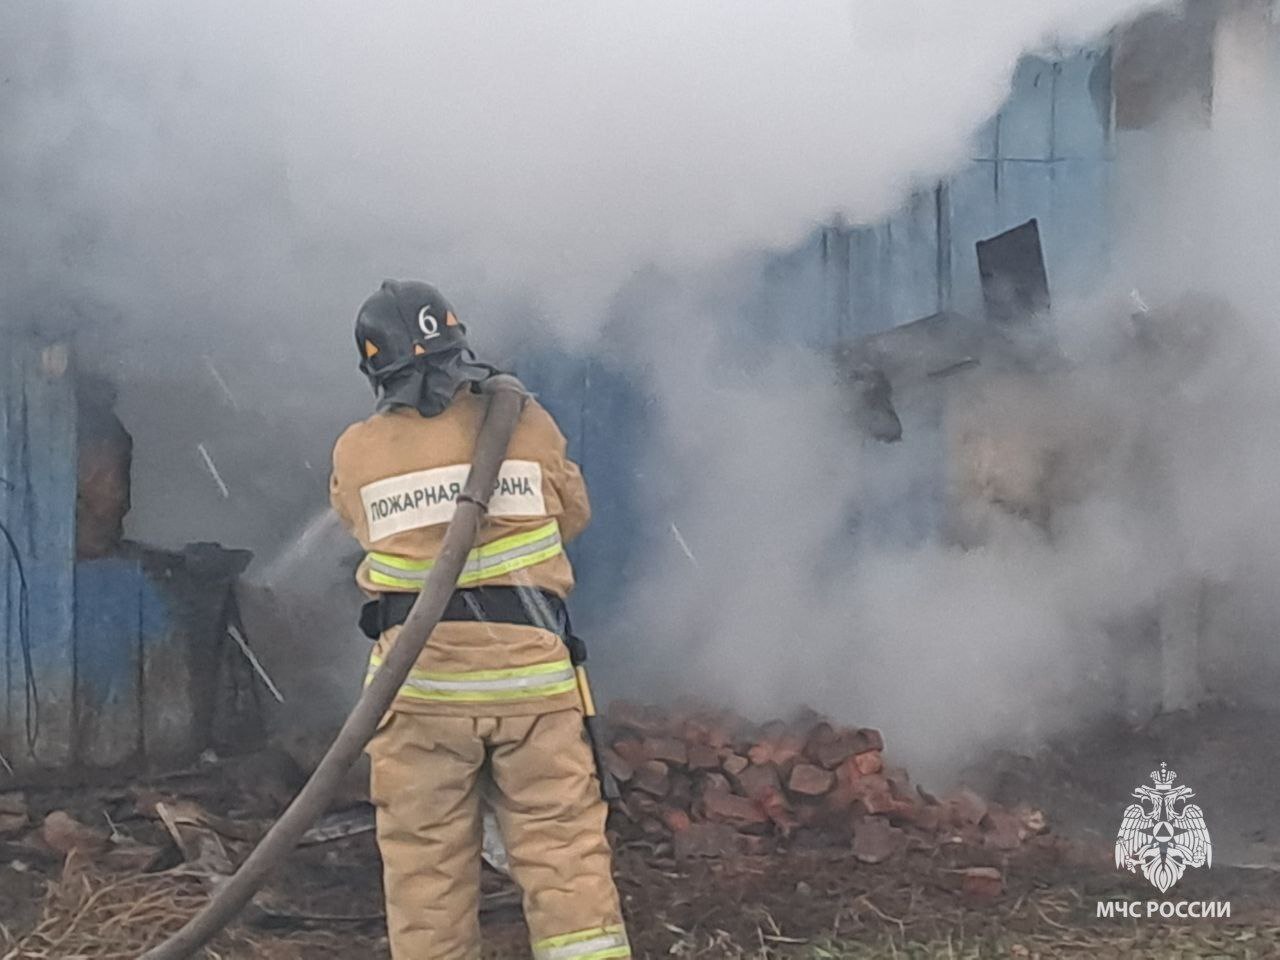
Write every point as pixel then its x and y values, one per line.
pixel 496 559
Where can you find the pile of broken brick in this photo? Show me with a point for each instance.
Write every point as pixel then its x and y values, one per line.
pixel 713 784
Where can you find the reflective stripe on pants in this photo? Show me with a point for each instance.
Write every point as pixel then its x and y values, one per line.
pixel 516 683
pixel 598 943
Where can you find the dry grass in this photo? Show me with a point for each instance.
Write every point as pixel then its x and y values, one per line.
pixel 1051 939
pixel 850 913
pixel 816 909
pixel 1155 945
pixel 91 915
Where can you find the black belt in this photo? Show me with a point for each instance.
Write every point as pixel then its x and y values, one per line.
pixel 479 604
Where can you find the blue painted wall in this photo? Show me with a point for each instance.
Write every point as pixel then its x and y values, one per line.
pixel 116 664
pixel 37 507
pixel 132 704
pixel 1046 155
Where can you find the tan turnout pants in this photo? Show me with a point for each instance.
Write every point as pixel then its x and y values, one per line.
pixel 429 773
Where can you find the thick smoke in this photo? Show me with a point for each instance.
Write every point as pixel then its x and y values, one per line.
pixel 239 174
pixel 1122 496
pixel 204 193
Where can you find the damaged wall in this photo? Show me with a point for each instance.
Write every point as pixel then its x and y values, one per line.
pixel 104 484
pixel 1046 155
pixel 114 656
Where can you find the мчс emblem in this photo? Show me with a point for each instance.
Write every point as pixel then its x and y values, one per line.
pixel 1162 833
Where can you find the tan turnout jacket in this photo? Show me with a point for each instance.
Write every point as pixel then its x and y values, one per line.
pixel 395 480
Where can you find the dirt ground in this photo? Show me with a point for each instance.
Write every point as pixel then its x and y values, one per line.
pixel 806 899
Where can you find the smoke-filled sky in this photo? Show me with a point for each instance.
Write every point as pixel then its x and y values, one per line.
pixel 203 168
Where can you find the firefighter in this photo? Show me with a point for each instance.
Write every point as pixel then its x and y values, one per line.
pixel 492 711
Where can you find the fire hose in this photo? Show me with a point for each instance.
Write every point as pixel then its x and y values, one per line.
pixel 506 401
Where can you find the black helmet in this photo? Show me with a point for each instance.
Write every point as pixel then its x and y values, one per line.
pixel 412 347
pixel 402 320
